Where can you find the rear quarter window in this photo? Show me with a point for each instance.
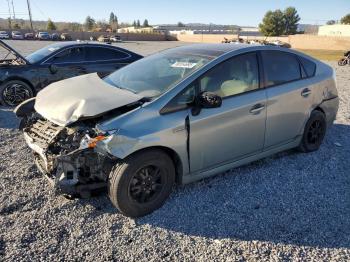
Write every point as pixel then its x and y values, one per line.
pixel 104 54
pixel 309 66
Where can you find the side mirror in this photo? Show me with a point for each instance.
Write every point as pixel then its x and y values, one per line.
pixel 53 69
pixel 209 100
pixel 206 100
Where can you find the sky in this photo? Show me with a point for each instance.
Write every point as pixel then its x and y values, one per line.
pixel 241 12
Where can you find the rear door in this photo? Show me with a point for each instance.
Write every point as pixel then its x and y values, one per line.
pixel 289 97
pixel 237 128
pixel 105 60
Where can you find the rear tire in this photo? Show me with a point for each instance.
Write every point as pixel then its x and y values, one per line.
pixel 314 132
pixel 141 183
pixel 14 92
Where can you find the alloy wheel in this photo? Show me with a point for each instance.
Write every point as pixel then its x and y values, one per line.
pixel 16 93
pixel 146 184
pixel 315 133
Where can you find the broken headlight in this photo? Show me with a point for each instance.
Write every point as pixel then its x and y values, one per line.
pixel 91 142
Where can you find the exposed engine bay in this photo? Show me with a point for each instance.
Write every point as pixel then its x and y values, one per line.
pixel 60 153
pixel 65 154
pixel 15 61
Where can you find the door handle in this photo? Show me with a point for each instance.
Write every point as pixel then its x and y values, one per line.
pixel 81 69
pixel 257 108
pixel 305 92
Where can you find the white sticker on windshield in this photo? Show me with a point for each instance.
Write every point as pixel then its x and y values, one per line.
pixel 51 49
pixel 184 64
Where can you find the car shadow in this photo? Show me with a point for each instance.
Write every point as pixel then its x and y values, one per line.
pixel 8 119
pixel 290 198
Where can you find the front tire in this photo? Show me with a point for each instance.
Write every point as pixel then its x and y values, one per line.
pixel 14 92
pixel 141 183
pixel 314 132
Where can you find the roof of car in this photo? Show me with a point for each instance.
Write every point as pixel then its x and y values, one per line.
pixel 215 50
pixel 72 43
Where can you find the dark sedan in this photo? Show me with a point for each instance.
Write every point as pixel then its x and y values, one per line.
pixel 22 77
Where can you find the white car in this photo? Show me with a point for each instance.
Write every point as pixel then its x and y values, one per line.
pixel 4 35
pixel 17 35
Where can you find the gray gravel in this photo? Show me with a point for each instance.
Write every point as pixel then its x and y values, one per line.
pixel 291 206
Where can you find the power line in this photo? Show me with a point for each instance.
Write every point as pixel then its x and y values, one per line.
pixel 41 11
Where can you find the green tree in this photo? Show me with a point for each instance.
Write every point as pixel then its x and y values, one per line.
pixel 134 24
pixel 145 23
pixel 138 24
pixel 331 22
pixel 111 18
pixel 180 24
pixel 273 23
pixel 50 25
pixel 16 26
pixel 345 20
pixel 89 23
pixel 291 19
pixel 113 21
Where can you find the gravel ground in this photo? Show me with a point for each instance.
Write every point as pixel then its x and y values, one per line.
pixel 291 206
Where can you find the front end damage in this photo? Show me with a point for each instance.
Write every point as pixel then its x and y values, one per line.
pixel 66 156
pixel 59 125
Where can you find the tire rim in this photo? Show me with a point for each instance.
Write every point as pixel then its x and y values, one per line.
pixel 146 184
pixel 14 94
pixel 315 132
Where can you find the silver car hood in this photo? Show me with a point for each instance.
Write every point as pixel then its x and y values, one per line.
pixel 66 101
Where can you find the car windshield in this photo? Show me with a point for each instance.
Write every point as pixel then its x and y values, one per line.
pixel 152 76
pixel 42 53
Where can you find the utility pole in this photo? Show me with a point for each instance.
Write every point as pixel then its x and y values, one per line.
pixel 8 4
pixel 30 15
pixel 13 10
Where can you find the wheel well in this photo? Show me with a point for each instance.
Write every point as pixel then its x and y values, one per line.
pixel 23 80
pixel 174 157
pixel 318 108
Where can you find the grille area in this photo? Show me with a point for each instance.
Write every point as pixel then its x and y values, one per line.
pixel 43 132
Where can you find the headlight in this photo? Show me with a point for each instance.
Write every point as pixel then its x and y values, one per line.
pixel 90 142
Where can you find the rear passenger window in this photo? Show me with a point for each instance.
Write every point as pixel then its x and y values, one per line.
pixel 308 66
pixel 280 67
pixel 102 53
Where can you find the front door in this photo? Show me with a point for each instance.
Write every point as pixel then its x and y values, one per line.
pixel 237 128
pixel 65 64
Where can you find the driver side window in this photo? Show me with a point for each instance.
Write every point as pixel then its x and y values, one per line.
pixel 236 75
pixel 70 55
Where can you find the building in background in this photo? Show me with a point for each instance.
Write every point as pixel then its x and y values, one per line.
pixel 193 29
pixel 334 30
pixel 309 29
pixel 132 29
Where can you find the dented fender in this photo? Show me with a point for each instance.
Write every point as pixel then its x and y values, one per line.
pixel 117 145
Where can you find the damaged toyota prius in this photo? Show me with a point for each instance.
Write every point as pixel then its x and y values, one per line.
pixel 176 117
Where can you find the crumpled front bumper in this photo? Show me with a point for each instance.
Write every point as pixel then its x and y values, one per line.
pixel 64 173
